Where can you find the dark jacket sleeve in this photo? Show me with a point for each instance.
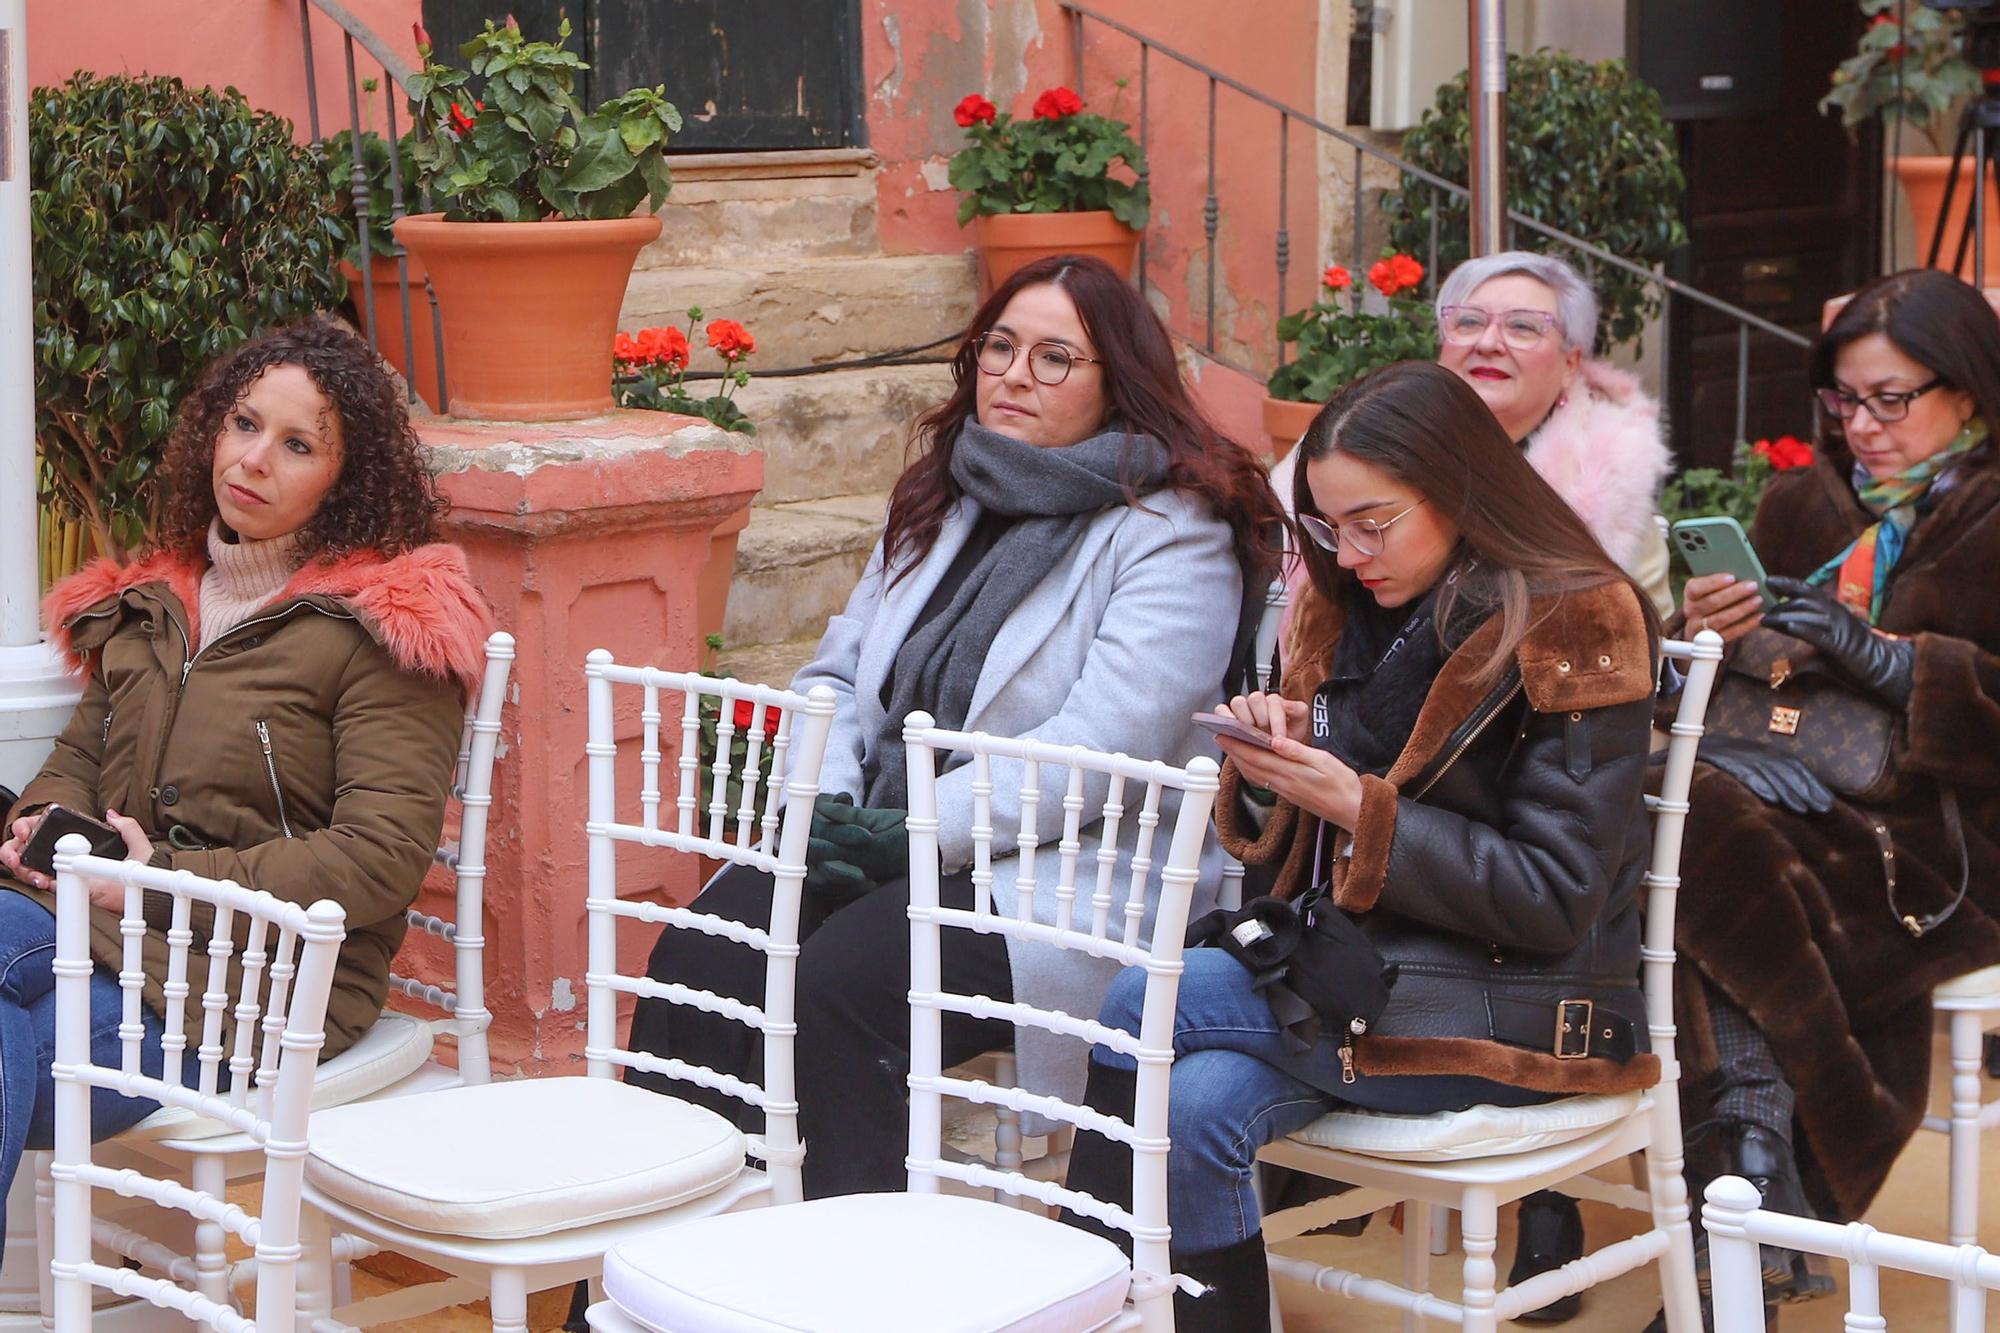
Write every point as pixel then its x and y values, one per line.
pixel 69 777
pixel 1539 876
pixel 1953 731
pixel 395 741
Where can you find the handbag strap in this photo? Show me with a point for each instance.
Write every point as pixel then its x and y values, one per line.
pixel 1954 829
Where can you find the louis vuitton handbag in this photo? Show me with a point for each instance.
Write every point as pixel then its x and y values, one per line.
pixel 1775 691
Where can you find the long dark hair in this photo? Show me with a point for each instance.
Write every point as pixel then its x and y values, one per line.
pixel 1146 394
pixel 1935 320
pixel 1424 426
pixel 384 499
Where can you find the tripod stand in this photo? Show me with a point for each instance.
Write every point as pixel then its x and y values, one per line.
pixel 1978 129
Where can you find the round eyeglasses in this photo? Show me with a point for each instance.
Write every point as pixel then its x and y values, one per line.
pixel 1048 362
pixel 1365 535
pixel 1522 330
pixel 1884 407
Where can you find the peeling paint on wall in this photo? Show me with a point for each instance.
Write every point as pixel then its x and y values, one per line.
pixel 890 86
pixel 562 995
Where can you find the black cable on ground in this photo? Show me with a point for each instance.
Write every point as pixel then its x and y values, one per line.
pixel 900 356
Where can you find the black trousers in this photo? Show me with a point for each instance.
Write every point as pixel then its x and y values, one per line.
pixel 852 1054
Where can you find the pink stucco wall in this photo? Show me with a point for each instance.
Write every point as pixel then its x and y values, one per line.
pixel 252 44
pixel 921 56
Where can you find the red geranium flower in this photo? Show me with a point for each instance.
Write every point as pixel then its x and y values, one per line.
pixel 1407 270
pixel 745 710
pixel 1784 453
pixel 423 38
pixel 1900 49
pixel 664 347
pixel 1397 273
pixel 731 339
pixel 974 109
pixel 1337 278
pixel 625 348
pixel 1057 103
pixel 459 120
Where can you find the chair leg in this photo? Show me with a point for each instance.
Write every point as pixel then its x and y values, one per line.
pixel 211 1260
pixel 509 1299
pixel 315 1298
pixel 1416 1257
pixel 1479 1226
pixel 1967 1048
pixel 45 1232
pixel 1440 1229
pixel 1667 1191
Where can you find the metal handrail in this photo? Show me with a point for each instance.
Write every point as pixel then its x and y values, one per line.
pixel 1079 13
pixel 399 74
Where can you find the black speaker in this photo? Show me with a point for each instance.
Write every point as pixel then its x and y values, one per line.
pixel 1708 59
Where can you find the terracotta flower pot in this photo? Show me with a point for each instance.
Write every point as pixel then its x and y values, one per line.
pixel 422 375
pixel 1285 421
pixel 529 310
pixel 1010 241
pixel 1923 181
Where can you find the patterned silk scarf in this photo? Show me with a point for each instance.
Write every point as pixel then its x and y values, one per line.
pixel 1862 570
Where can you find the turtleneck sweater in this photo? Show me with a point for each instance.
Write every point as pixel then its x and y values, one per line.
pixel 242 577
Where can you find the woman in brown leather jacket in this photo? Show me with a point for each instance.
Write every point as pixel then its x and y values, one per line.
pixel 1458 762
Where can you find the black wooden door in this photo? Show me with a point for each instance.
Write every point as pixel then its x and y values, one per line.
pixel 1782 213
pixel 768 74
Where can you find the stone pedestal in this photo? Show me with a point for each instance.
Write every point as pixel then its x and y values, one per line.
pixel 582 535
pixel 37 695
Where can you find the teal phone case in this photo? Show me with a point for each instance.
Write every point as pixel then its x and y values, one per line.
pixel 1717 545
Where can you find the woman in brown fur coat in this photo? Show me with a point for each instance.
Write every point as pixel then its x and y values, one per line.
pixel 1819 950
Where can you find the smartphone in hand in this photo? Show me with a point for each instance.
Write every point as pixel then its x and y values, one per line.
pixel 1218 725
pixel 1717 545
pixel 57 823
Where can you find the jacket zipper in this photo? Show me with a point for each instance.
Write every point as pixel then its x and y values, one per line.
pixel 1478 729
pixel 105 739
pixel 1355 1028
pixel 271 771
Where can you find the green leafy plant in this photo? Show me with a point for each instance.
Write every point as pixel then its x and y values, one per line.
pixel 380 240
pixel 169 223
pixel 1059 160
pixel 1339 338
pixel 1913 70
pixel 649 371
pixel 515 146
pixel 1704 492
pixel 1588 152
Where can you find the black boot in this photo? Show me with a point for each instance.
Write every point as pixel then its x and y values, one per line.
pixel 1101 1167
pixel 1548 1235
pixel 1659 1324
pixel 1238 1299
pixel 1765 1159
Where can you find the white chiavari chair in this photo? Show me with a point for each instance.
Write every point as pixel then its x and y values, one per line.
pixel 849 1262
pixel 517 1186
pixel 259 1084
pixel 1475 1160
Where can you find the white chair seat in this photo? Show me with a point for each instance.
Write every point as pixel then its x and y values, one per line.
pixel 521 1158
pixel 1478 1131
pixel 870 1263
pixel 391 1050
pixel 1980 985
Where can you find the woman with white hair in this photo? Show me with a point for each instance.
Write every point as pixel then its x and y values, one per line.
pixel 1519 327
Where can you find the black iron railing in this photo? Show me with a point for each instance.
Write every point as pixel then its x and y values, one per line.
pixel 1593 255
pixel 393 85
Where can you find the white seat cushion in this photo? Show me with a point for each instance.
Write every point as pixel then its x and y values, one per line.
pixel 1972 986
pixel 1478 1131
pixel 521 1158
pixel 395 1047
pixel 870 1263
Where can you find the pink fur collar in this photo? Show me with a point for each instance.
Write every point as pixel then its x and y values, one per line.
pixel 1603 452
pixel 421 606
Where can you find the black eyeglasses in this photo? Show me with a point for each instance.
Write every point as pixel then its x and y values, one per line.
pixel 1048 362
pixel 1884 407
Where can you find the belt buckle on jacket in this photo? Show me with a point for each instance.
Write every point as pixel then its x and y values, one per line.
pixel 1573 1020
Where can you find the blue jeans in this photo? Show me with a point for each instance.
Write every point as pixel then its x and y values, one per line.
pixel 28 1039
pixel 1236 1088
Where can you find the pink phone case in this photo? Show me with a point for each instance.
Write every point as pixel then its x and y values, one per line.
pixel 1218 725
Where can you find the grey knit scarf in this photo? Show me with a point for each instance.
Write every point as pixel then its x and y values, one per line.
pixel 1052 494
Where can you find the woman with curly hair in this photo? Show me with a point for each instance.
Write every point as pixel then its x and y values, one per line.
pixel 273 693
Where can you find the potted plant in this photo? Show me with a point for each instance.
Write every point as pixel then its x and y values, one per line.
pixel 415 361
pixel 1589 152
pixel 1913 73
pixel 1044 185
pixel 537 238
pixel 1343 335
pixel 649 372
pixel 170 223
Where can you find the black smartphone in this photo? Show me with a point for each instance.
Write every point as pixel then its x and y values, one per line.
pixel 57 823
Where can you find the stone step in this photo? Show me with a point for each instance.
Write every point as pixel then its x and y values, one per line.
pixel 810 310
pixel 839 432
pixel 767 663
pixel 795 566
pixel 753 207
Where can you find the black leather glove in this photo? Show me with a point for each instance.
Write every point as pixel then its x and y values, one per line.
pixel 1883 666
pixel 1774 778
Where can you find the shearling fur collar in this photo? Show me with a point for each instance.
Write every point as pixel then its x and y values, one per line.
pixel 421 606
